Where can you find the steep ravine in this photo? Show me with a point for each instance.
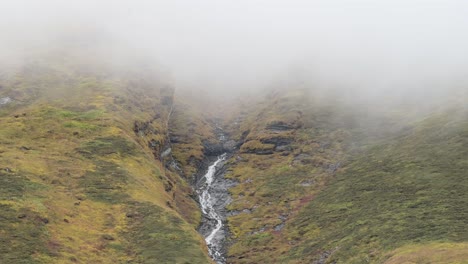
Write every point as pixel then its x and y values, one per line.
pixel 212 189
pixel 200 149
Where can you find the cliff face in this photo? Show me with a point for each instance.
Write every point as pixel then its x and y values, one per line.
pixel 81 171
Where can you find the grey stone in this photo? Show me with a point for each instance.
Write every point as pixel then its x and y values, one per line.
pixel 230 145
pixel 166 152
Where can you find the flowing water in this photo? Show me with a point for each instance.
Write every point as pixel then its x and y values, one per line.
pixel 208 205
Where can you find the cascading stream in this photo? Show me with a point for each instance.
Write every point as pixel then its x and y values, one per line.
pixel 207 203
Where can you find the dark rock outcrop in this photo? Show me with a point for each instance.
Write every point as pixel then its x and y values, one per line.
pixel 280 126
pixel 277 140
pixel 230 145
pixel 213 149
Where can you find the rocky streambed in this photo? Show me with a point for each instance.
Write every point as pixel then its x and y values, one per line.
pixel 213 193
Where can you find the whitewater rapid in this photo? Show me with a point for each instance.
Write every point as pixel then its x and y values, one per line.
pixel 207 203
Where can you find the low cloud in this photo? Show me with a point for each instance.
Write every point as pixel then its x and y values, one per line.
pixel 367 50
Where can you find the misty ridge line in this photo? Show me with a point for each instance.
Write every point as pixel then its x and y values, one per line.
pixel 386 53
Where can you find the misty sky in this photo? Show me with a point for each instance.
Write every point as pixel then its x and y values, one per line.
pixel 387 46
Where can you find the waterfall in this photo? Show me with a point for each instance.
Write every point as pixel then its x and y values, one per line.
pixel 207 203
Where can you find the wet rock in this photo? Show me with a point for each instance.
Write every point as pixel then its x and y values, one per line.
pixel 230 145
pixel 220 198
pixel 213 149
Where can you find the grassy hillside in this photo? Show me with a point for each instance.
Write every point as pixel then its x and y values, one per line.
pixel 84 178
pixel 318 185
pixel 290 149
pixel 408 191
pixel 80 172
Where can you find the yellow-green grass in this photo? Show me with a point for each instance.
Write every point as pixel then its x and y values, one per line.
pixel 78 184
pixel 433 253
pixel 407 190
pixel 402 187
pixel 274 188
pixel 191 128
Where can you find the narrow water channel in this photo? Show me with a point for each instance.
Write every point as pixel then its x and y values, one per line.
pixel 209 206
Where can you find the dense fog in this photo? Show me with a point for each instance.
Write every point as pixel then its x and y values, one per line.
pixel 368 50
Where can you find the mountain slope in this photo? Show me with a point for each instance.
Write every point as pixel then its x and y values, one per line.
pixel 81 177
pixel 316 186
pixel 96 164
pixel 289 149
pixel 406 190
